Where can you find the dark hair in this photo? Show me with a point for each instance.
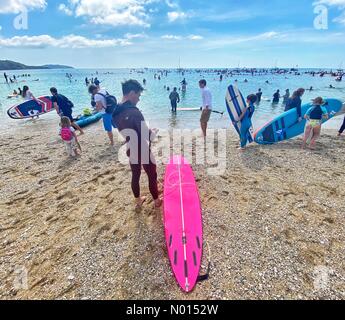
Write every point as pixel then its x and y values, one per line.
pixel 25 89
pixel 53 90
pixel 203 81
pixel 175 89
pixel 92 88
pixel 252 98
pixel 131 85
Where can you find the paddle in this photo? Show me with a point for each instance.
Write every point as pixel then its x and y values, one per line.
pixel 196 109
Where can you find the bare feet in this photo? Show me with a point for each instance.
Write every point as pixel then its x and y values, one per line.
pixel 139 202
pixel 158 203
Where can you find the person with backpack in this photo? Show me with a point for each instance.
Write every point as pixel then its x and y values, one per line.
pixel 69 137
pixel 314 116
pixel 106 104
pixel 63 107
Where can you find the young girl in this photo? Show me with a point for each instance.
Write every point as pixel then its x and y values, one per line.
pixel 314 117
pixel 246 120
pixel 69 137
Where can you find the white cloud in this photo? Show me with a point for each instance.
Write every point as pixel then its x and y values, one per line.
pixel 331 2
pixel 171 4
pixel 171 37
pixel 195 37
pixel 69 41
pixel 178 15
pixel 135 36
pixel 17 6
pixel 112 12
pixel 65 9
pixel 340 19
pixel 175 37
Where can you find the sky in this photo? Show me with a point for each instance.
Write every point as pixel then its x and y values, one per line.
pixel 169 33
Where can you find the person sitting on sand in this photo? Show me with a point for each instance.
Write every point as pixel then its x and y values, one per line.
pixel 296 102
pixel 314 117
pixel 63 107
pixel 174 100
pixel 69 137
pixel 127 117
pixel 246 120
pixel 342 129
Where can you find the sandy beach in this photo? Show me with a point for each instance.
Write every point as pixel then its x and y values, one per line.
pixel 71 225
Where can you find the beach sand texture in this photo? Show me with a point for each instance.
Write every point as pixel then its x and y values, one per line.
pixel 277 232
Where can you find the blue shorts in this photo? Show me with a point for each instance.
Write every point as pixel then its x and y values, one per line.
pixel 107 122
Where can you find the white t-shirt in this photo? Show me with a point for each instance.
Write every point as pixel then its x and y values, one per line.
pixel 28 96
pixel 101 99
pixel 206 98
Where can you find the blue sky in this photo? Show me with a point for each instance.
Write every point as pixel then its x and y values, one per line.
pixel 157 33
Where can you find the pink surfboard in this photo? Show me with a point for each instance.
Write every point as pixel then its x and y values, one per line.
pixel 183 222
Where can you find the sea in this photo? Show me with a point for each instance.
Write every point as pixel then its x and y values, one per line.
pixel 155 103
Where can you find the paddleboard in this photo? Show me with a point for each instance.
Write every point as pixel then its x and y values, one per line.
pixel 31 108
pixel 235 104
pixel 188 109
pixel 286 126
pixel 183 222
pixel 85 121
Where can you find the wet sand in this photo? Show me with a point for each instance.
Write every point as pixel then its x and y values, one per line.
pixel 273 221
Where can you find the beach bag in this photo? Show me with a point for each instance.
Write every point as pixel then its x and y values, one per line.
pixel 66 134
pixel 111 102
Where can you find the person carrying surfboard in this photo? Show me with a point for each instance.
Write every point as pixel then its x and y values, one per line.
pixel 132 126
pixel 314 117
pixel 246 121
pixel 206 106
pixel 27 95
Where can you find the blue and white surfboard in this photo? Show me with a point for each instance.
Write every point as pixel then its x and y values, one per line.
pixel 287 126
pixel 235 104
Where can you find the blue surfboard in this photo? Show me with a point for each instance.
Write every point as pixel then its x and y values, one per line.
pixel 287 126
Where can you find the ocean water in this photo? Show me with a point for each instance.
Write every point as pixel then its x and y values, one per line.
pixel 155 103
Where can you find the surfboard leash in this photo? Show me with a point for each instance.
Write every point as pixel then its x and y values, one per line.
pixel 206 276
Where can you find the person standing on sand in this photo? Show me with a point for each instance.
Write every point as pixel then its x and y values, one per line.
pixel 174 100
pixel 99 101
pixel 342 129
pixel 206 106
pixel 314 117
pixel 246 120
pixel 63 107
pixel 128 117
